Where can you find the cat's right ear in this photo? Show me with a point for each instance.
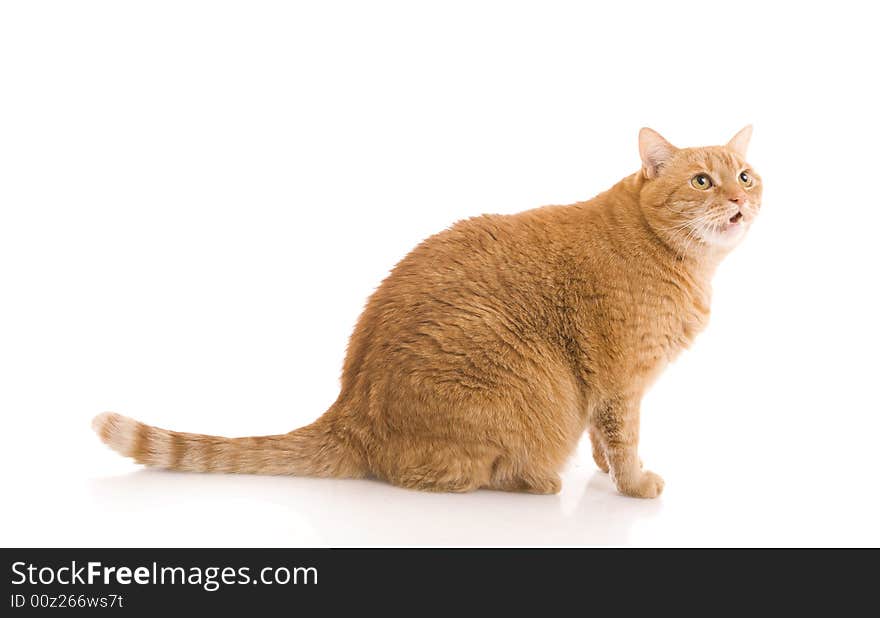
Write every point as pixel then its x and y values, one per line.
pixel 654 150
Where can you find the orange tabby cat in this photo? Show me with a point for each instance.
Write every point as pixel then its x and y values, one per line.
pixel 492 346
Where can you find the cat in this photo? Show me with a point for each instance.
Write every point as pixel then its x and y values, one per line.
pixel 494 345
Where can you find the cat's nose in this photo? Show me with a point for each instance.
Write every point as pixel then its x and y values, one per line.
pixel 738 199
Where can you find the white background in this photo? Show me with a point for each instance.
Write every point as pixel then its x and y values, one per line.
pixel 198 197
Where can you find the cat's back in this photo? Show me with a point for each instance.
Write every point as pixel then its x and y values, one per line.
pixel 480 290
pixel 489 260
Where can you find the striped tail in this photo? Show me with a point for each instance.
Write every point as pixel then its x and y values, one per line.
pixel 313 450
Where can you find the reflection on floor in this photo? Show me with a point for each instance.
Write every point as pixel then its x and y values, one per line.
pixel 301 511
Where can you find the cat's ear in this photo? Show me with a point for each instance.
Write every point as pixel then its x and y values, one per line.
pixel 654 150
pixel 739 143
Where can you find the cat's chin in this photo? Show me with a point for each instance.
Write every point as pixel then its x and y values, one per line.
pixel 727 236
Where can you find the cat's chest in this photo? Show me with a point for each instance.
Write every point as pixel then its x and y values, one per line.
pixel 649 324
pixel 664 325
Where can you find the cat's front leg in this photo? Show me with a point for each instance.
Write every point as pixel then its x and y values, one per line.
pixel 617 426
pixel 598 450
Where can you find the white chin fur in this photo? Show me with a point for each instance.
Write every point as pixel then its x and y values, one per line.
pixel 726 238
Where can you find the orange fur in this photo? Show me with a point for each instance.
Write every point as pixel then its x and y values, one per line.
pixel 490 348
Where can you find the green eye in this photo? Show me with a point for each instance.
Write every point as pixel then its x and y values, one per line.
pixel 701 182
pixel 745 179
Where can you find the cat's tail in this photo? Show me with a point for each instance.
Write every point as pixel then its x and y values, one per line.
pixel 313 450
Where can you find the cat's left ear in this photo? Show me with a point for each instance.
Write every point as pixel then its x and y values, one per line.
pixel 654 150
pixel 739 143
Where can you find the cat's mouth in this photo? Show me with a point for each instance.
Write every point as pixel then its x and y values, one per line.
pixel 733 224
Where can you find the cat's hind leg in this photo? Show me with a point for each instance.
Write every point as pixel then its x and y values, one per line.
pixel 454 469
pixel 440 467
pixel 509 477
pixel 429 479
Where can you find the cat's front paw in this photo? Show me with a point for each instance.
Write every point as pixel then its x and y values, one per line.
pixel 646 485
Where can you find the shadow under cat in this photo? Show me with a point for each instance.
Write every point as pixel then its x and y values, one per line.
pixel 370 513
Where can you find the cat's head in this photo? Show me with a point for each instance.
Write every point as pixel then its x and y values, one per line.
pixel 699 198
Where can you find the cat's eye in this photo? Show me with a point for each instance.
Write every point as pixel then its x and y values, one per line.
pixel 701 181
pixel 745 179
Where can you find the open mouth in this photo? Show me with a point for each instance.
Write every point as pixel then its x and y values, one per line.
pixel 733 226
